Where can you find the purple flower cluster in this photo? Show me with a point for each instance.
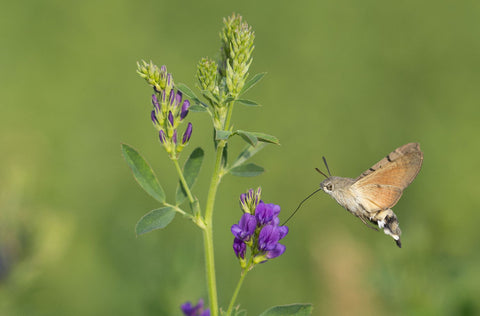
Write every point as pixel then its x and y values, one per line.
pixel 260 231
pixel 169 110
pixel 189 310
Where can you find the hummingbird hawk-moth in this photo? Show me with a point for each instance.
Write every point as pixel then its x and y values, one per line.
pixel 372 195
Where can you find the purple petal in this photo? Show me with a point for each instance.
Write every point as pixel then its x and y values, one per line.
pixel 266 213
pixel 170 117
pixel 178 98
pixel 239 247
pixel 268 238
pixel 154 117
pixel 164 97
pixel 162 136
pixel 245 227
pixel 188 309
pixel 248 223
pixel 184 112
pixel 174 136
pixel 283 231
pixel 277 251
pixel 171 97
pixel 243 196
pixel 187 134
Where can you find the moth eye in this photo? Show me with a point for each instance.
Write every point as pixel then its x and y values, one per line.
pixel 329 187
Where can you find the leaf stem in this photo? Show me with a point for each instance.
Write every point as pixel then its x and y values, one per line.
pixel 183 181
pixel 179 210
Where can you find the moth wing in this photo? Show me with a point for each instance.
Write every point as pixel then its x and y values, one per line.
pixel 376 197
pixel 398 168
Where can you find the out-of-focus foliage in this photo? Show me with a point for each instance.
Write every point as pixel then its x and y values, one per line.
pixel 349 80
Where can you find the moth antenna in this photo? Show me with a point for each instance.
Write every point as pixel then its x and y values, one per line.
pixel 311 194
pixel 326 165
pixel 323 174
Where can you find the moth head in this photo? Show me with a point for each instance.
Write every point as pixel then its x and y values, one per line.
pixel 327 185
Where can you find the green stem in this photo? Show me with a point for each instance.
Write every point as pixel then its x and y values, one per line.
pixel 229 116
pixel 210 269
pixel 237 290
pixel 208 231
pixel 184 182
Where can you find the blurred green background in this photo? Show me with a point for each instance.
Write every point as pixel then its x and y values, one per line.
pixel 351 80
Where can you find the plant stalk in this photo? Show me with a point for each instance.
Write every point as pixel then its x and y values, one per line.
pixel 237 290
pixel 208 231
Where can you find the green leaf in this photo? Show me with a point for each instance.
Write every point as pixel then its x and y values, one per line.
pixel 197 108
pixel 190 172
pixel 248 137
pixel 287 310
pixel 143 173
pixel 248 102
pixel 187 91
pixel 222 135
pixel 247 170
pixel 247 153
pixel 266 138
pixel 155 219
pixel 252 82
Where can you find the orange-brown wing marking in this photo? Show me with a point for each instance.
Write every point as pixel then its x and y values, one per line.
pixel 376 197
pixel 398 168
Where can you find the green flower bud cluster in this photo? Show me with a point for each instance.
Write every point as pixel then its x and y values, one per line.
pixel 237 47
pixel 158 78
pixel 222 82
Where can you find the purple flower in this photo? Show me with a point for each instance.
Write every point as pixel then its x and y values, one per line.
pixel 189 310
pixel 184 112
pixel 268 240
pixel 266 213
pixel 245 227
pixel 187 134
pixel 258 229
pixel 162 136
pixel 170 117
pixel 239 247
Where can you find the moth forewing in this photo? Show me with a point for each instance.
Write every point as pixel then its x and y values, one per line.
pixel 402 164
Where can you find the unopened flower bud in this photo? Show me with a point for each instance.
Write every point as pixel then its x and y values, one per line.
pixel 187 134
pixel 162 136
pixel 184 112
